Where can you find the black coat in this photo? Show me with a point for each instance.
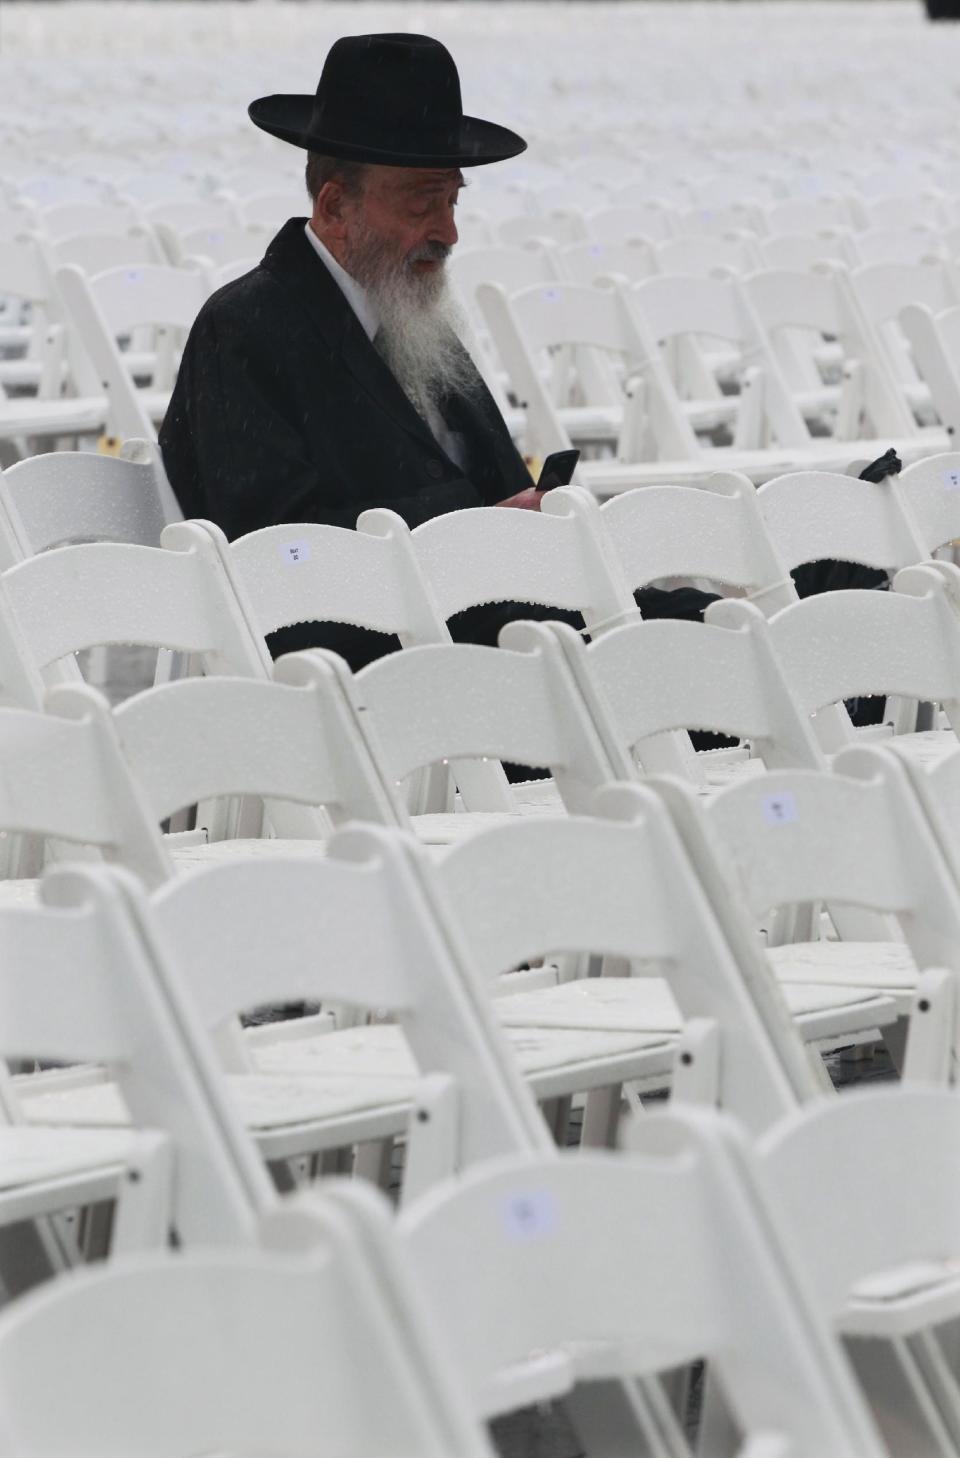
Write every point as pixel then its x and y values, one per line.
pixel 284 411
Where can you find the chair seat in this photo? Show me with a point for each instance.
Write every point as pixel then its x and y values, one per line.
pixel 53 417
pixel 924 749
pixel 337 1076
pixel 382 1048
pixel 909 1299
pixel 264 1102
pixel 646 1005
pixel 883 966
pixel 30 1155
pixel 21 374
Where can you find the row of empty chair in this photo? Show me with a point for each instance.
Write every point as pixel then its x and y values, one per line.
pixel 866 834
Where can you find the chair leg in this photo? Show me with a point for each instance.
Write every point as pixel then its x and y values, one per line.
pixel 625 1420
pixel 902 1406
pixel 374 1162
pixel 601 1118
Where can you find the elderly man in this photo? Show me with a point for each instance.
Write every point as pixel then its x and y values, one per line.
pixel 330 378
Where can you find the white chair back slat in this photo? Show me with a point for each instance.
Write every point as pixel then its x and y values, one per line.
pixel 844 645
pixel 712 532
pixel 72 496
pixel 815 515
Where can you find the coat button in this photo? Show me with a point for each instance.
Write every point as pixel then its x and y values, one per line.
pixel 435 469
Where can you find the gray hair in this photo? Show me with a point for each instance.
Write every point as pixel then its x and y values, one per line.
pixel 322 169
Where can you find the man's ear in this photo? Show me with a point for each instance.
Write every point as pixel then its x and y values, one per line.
pixel 328 210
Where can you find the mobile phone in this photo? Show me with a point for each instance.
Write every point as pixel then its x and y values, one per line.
pixel 557 470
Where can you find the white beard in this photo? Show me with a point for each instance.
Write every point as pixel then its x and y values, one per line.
pixel 419 323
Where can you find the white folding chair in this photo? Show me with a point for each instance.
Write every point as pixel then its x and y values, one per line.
pixel 934 339
pixel 682 1244
pixel 856 837
pixel 317 1352
pixel 121 300
pixel 49 412
pixel 65 962
pixel 840 645
pixel 881 1268
pixel 883 290
pixel 799 312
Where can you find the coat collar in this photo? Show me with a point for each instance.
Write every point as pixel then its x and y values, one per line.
pixel 295 265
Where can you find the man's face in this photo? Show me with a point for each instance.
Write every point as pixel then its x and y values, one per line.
pixel 406 215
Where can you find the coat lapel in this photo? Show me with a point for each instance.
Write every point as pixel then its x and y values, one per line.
pixel 296 266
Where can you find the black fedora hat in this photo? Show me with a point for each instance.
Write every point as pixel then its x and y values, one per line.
pixel 392 99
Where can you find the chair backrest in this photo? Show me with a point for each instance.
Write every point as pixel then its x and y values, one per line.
pixel 618 224
pixel 675 1220
pixel 929 492
pixel 512 268
pixel 74 496
pixel 702 253
pixel 684 304
pixel 314 572
pixel 841 645
pixel 559 225
pixel 885 288
pixel 80 985
pixel 185 214
pixel 787 299
pixel 128 297
pixel 63 220
pixel 96 252
pixel 934 339
pixel 712 531
pixel 555 557
pixel 520 705
pixel 237 932
pixel 814 515
pixel 177 596
pixel 645 679
pixel 552 314
pixel 725 218
pixel 910 243
pixel 806 215
pixel 65 780
pixel 296 742
pixel 798 252
pixel 855 837
pixel 296 1354
pixel 223 244
pixel 112 303
pixel 584 263
pixel 22 271
pixel 866 1138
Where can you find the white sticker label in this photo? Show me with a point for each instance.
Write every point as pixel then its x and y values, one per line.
pixel 779 809
pixel 530 1215
pixel 951 480
pixel 295 551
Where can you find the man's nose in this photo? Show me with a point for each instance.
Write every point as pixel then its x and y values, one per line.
pixel 446 232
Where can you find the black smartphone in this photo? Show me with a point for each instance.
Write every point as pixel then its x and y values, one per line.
pixel 557 470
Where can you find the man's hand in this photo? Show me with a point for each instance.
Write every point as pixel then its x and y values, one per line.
pixel 528 500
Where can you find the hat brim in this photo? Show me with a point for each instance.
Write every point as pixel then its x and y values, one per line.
pixel 289 117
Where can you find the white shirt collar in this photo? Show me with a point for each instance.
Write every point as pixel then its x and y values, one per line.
pixel 355 295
